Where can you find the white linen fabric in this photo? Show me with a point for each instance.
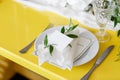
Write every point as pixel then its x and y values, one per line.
pixel 68 8
pixel 63 59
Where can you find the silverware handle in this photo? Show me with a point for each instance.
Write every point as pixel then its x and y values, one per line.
pixel 85 77
pixel 25 49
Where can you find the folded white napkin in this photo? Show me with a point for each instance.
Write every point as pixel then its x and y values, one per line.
pixel 63 57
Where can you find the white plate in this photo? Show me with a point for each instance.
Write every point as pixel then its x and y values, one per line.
pixel 87 56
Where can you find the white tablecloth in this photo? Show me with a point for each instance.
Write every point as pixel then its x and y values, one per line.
pixel 74 10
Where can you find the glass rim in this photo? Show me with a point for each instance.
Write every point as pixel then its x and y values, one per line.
pixel 102 9
pixel 96 5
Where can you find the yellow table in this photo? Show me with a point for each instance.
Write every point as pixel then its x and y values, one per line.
pixel 20 24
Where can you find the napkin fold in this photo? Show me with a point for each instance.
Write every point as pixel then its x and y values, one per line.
pixel 63 59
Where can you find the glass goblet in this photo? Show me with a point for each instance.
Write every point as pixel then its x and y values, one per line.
pixel 102 11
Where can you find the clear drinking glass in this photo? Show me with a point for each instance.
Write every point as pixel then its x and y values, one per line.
pixel 102 10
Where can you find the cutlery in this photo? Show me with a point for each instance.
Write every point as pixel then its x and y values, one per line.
pixel 26 48
pixel 98 62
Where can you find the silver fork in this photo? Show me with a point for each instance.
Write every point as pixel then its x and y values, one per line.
pixel 26 48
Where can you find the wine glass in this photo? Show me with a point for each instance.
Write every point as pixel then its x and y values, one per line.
pixel 102 10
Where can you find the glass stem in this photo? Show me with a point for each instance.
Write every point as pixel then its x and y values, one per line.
pixel 102 32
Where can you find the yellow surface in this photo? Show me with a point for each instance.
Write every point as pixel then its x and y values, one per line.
pixel 20 24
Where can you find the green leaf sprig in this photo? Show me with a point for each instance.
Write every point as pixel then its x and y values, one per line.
pixel 118 33
pixel 71 28
pixel 67 30
pixel 63 30
pixel 72 35
pixel 116 15
pixel 50 46
pixel 46 41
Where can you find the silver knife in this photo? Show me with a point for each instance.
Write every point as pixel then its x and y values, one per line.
pixel 98 62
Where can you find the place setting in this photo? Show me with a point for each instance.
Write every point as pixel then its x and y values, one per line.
pixel 70 45
pixel 61 39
